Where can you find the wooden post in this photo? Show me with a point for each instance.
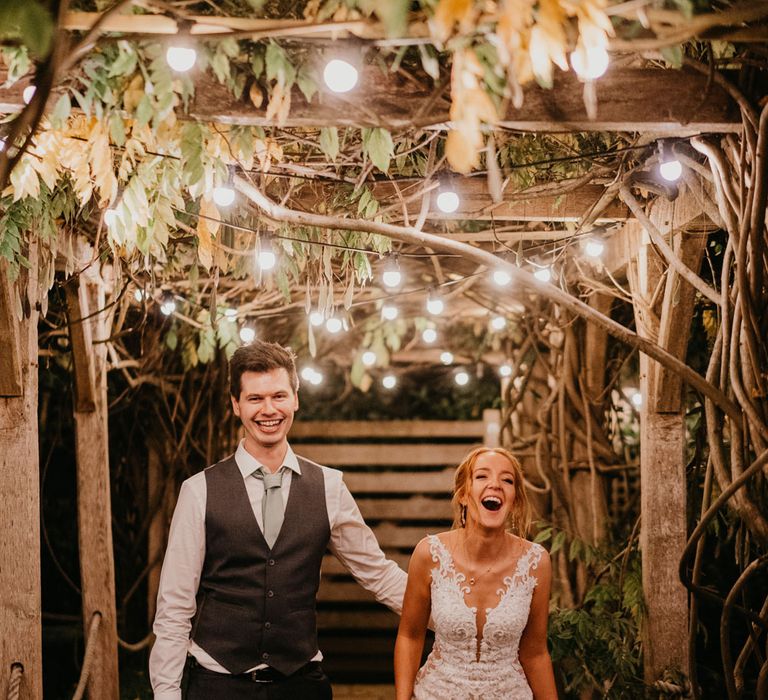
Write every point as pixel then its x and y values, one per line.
pixel 97 569
pixel 663 533
pixel 20 606
pixel 156 534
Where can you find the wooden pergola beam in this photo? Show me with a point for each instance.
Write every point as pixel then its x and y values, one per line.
pixel 629 99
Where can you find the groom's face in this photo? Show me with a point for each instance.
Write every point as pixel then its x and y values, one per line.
pixel 265 406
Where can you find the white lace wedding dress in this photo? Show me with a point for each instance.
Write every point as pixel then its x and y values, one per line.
pixel 455 670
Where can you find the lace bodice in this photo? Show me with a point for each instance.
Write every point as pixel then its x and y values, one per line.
pixel 455 670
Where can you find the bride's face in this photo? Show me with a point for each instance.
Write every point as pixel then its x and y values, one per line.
pixel 492 490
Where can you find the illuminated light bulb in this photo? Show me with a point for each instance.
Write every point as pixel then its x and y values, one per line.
pixel 389 382
pixel 505 370
pixel 316 318
pixel 389 312
pixel 590 63
pixel 340 76
pixel 247 334
pixel 168 305
pixel 501 278
pixel 230 313
pixel 498 323
pixel 392 277
pixel 543 274
pixel 223 195
pixel 671 170
pixel 28 94
pixel 593 248
pixel 435 305
pixel 448 202
pixel 110 218
pixel 180 58
pixel 461 378
pixel 316 379
pixel 333 325
pixel 307 372
pixel 446 357
pixel 369 358
pixel 429 335
pixel 267 257
pixel 636 398
pixel 138 295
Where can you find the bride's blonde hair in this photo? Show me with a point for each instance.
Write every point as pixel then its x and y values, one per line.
pixel 519 519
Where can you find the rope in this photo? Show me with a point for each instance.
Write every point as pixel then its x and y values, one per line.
pixel 90 652
pixel 680 690
pixel 137 646
pixel 14 682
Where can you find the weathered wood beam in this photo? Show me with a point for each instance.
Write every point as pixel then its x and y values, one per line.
pixel 20 578
pixel 629 99
pixel 97 567
pixel 662 486
pixel 10 343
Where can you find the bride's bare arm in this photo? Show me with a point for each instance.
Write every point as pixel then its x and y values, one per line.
pixel 534 655
pixel 413 623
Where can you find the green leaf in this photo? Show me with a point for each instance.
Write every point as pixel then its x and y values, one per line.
pixel 171 339
pixel 673 55
pixel 279 66
pixel 28 21
pixel 306 82
pixel 329 141
pixel 558 541
pixel 144 111
pixel 429 61
pixel 61 112
pixel 377 143
pixel 116 129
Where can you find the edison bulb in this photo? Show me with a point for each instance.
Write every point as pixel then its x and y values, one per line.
pixel 223 196
pixel 340 76
pixel 369 358
pixel 671 170
pixel 181 58
pixel 448 202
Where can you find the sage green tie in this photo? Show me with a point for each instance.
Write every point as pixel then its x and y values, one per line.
pixel 272 508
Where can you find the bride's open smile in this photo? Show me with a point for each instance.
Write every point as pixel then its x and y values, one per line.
pixel 492 492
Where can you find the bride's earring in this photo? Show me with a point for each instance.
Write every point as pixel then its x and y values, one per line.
pixel 463 516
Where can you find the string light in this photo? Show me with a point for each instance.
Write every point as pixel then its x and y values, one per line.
pixel 594 248
pixel 461 378
pixel 543 274
pixel 247 334
pixel 181 58
pixel 670 168
pixel 389 381
pixel 333 325
pixel 429 335
pixel 311 375
pixel 230 313
pixel 636 398
pixel 448 201
pixel 267 257
pixel 223 195
pixel 28 94
pixel 138 295
pixel 369 358
pixel 340 76
pixel 391 276
pixel 501 277
pixel 389 312
pixel 435 304
pixel 167 304
pixel 590 63
pixel 498 323
pixel 316 318
pixel 505 370
pixel 446 357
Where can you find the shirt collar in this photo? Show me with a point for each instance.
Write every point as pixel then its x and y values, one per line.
pixel 247 463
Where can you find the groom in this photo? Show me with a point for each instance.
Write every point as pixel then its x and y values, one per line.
pixel 240 577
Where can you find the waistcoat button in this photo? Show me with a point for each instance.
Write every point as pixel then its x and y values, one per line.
pixel 271 562
pixel 267 625
pixel 270 594
pixel 265 656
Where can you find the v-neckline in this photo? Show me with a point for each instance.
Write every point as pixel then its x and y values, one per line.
pixel 458 578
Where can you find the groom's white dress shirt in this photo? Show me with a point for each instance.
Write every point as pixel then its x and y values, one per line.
pixel 351 541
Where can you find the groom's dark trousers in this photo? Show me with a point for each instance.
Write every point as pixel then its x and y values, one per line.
pixel 308 683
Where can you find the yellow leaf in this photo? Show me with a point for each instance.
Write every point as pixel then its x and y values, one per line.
pixel 279 104
pixel 461 151
pixel 133 93
pixel 256 95
pixel 24 180
pixel 449 13
pixel 102 169
pixel 206 230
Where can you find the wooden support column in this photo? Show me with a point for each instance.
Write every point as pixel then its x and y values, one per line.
pixel 97 569
pixel 20 606
pixel 156 536
pixel 663 311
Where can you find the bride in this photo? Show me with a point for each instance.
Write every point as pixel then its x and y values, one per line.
pixel 487 591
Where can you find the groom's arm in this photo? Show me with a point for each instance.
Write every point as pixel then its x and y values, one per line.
pixel 355 545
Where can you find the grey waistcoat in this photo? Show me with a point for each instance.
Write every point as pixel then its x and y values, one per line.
pixel 256 605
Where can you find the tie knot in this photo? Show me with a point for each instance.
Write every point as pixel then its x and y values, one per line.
pixel 272 481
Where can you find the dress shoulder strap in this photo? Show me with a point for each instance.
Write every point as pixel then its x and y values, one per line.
pixel 440 555
pixel 529 561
